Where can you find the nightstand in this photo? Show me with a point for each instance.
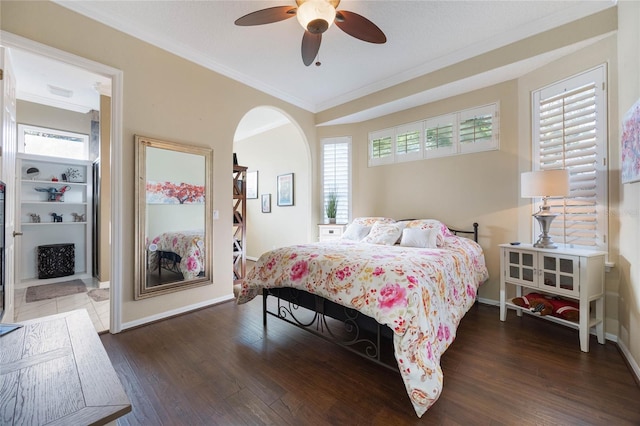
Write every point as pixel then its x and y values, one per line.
pixel 572 273
pixel 330 231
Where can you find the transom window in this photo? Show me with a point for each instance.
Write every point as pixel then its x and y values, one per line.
pixel 471 130
pixel 52 143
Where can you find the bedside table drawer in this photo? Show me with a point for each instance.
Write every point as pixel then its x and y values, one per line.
pixel 330 232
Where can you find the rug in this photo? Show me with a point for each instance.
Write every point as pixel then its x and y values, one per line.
pixel 51 291
pixel 99 294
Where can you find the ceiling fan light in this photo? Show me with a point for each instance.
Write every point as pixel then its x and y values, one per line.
pixel 316 16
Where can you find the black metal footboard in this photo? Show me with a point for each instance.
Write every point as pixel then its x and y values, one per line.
pixel 346 327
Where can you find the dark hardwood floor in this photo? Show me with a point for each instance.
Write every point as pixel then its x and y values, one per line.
pixel 218 366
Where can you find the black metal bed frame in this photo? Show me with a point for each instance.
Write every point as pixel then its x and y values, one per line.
pixel 343 326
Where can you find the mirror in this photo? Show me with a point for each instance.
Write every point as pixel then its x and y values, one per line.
pixel 173 217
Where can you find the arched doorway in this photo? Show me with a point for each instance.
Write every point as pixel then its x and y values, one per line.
pixel 269 142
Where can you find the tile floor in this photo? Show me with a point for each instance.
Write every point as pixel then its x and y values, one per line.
pixel 98 311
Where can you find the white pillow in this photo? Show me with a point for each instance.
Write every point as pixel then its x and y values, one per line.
pixel 383 233
pixel 355 232
pixel 416 237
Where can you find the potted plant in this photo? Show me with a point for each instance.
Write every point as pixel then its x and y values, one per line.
pixel 332 206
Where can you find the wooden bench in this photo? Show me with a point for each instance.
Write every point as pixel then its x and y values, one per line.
pixel 54 370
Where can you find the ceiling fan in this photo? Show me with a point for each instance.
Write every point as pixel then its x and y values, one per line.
pixel 316 16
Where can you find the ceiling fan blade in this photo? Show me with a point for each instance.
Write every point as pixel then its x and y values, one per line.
pixel 267 16
pixel 359 27
pixel 310 47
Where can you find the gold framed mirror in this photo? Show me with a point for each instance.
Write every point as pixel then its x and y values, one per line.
pixel 173 217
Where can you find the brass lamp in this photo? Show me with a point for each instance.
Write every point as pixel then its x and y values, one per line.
pixel 545 184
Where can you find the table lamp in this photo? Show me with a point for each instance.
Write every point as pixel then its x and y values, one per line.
pixel 545 184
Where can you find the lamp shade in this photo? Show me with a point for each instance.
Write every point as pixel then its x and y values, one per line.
pixel 545 183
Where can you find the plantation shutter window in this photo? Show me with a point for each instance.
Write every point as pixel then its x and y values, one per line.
pixel 440 136
pixel 478 129
pixel 336 175
pixel 570 133
pixel 381 147
pixel 409 142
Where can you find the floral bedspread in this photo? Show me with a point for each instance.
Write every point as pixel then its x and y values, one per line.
pixel 189 245
pixel 421 294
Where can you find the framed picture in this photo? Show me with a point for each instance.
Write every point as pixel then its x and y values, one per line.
pixel 285 190
pixel 630 145
pixel 266 203
pixel 252 184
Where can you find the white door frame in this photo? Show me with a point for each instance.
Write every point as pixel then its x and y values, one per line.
pixel 10 40
pixel 9 148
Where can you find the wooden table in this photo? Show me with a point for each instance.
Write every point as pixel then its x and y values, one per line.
pixel 55 371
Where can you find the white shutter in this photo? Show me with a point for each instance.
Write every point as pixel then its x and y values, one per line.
pixel 381 147
pixel 478 129
pixel 408 146
pixel 440 136
pixel 336 175
pixel 570 132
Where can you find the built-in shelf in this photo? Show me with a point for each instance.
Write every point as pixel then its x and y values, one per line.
pixel 76 202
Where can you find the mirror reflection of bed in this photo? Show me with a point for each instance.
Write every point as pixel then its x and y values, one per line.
pixel 176 256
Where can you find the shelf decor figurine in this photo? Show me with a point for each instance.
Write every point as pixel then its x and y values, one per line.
pixel 78 217
pixel 57 218
pixel 71 175
pixel 54 194
pixel 35 218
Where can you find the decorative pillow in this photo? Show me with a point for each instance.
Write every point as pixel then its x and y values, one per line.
pixel 370 221
pixel 403 224
pixel 356 232
pixel 416 237
pixel 441 228
pixel 383 233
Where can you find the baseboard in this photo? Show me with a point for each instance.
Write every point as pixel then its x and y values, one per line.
pixel 252 258
pixel 633 365
pixel 174 312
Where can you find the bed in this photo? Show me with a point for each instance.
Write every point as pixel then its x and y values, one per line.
pixel 382 286
pixel 180 252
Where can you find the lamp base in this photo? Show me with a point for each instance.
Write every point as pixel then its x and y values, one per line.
pixel 544 241
pixel 544 218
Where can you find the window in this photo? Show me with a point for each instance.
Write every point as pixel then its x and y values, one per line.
pixel 336 175
pixel 52 143
pixel 409 142
pixel 478 129
pixel 463 132
pixel 439 136
pixel 570 131
pixel 381 147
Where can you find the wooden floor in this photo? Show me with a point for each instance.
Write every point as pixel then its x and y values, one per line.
pixel 218 366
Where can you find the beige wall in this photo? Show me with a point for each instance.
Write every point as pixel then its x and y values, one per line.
pixel 272 153
pixel 628 262
pixel 165 97
pixel 53 118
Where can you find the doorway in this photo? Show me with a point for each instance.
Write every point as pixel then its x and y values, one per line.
pixel 102 286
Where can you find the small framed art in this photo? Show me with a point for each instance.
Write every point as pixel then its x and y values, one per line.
pixel 285 190
pixel 266 203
